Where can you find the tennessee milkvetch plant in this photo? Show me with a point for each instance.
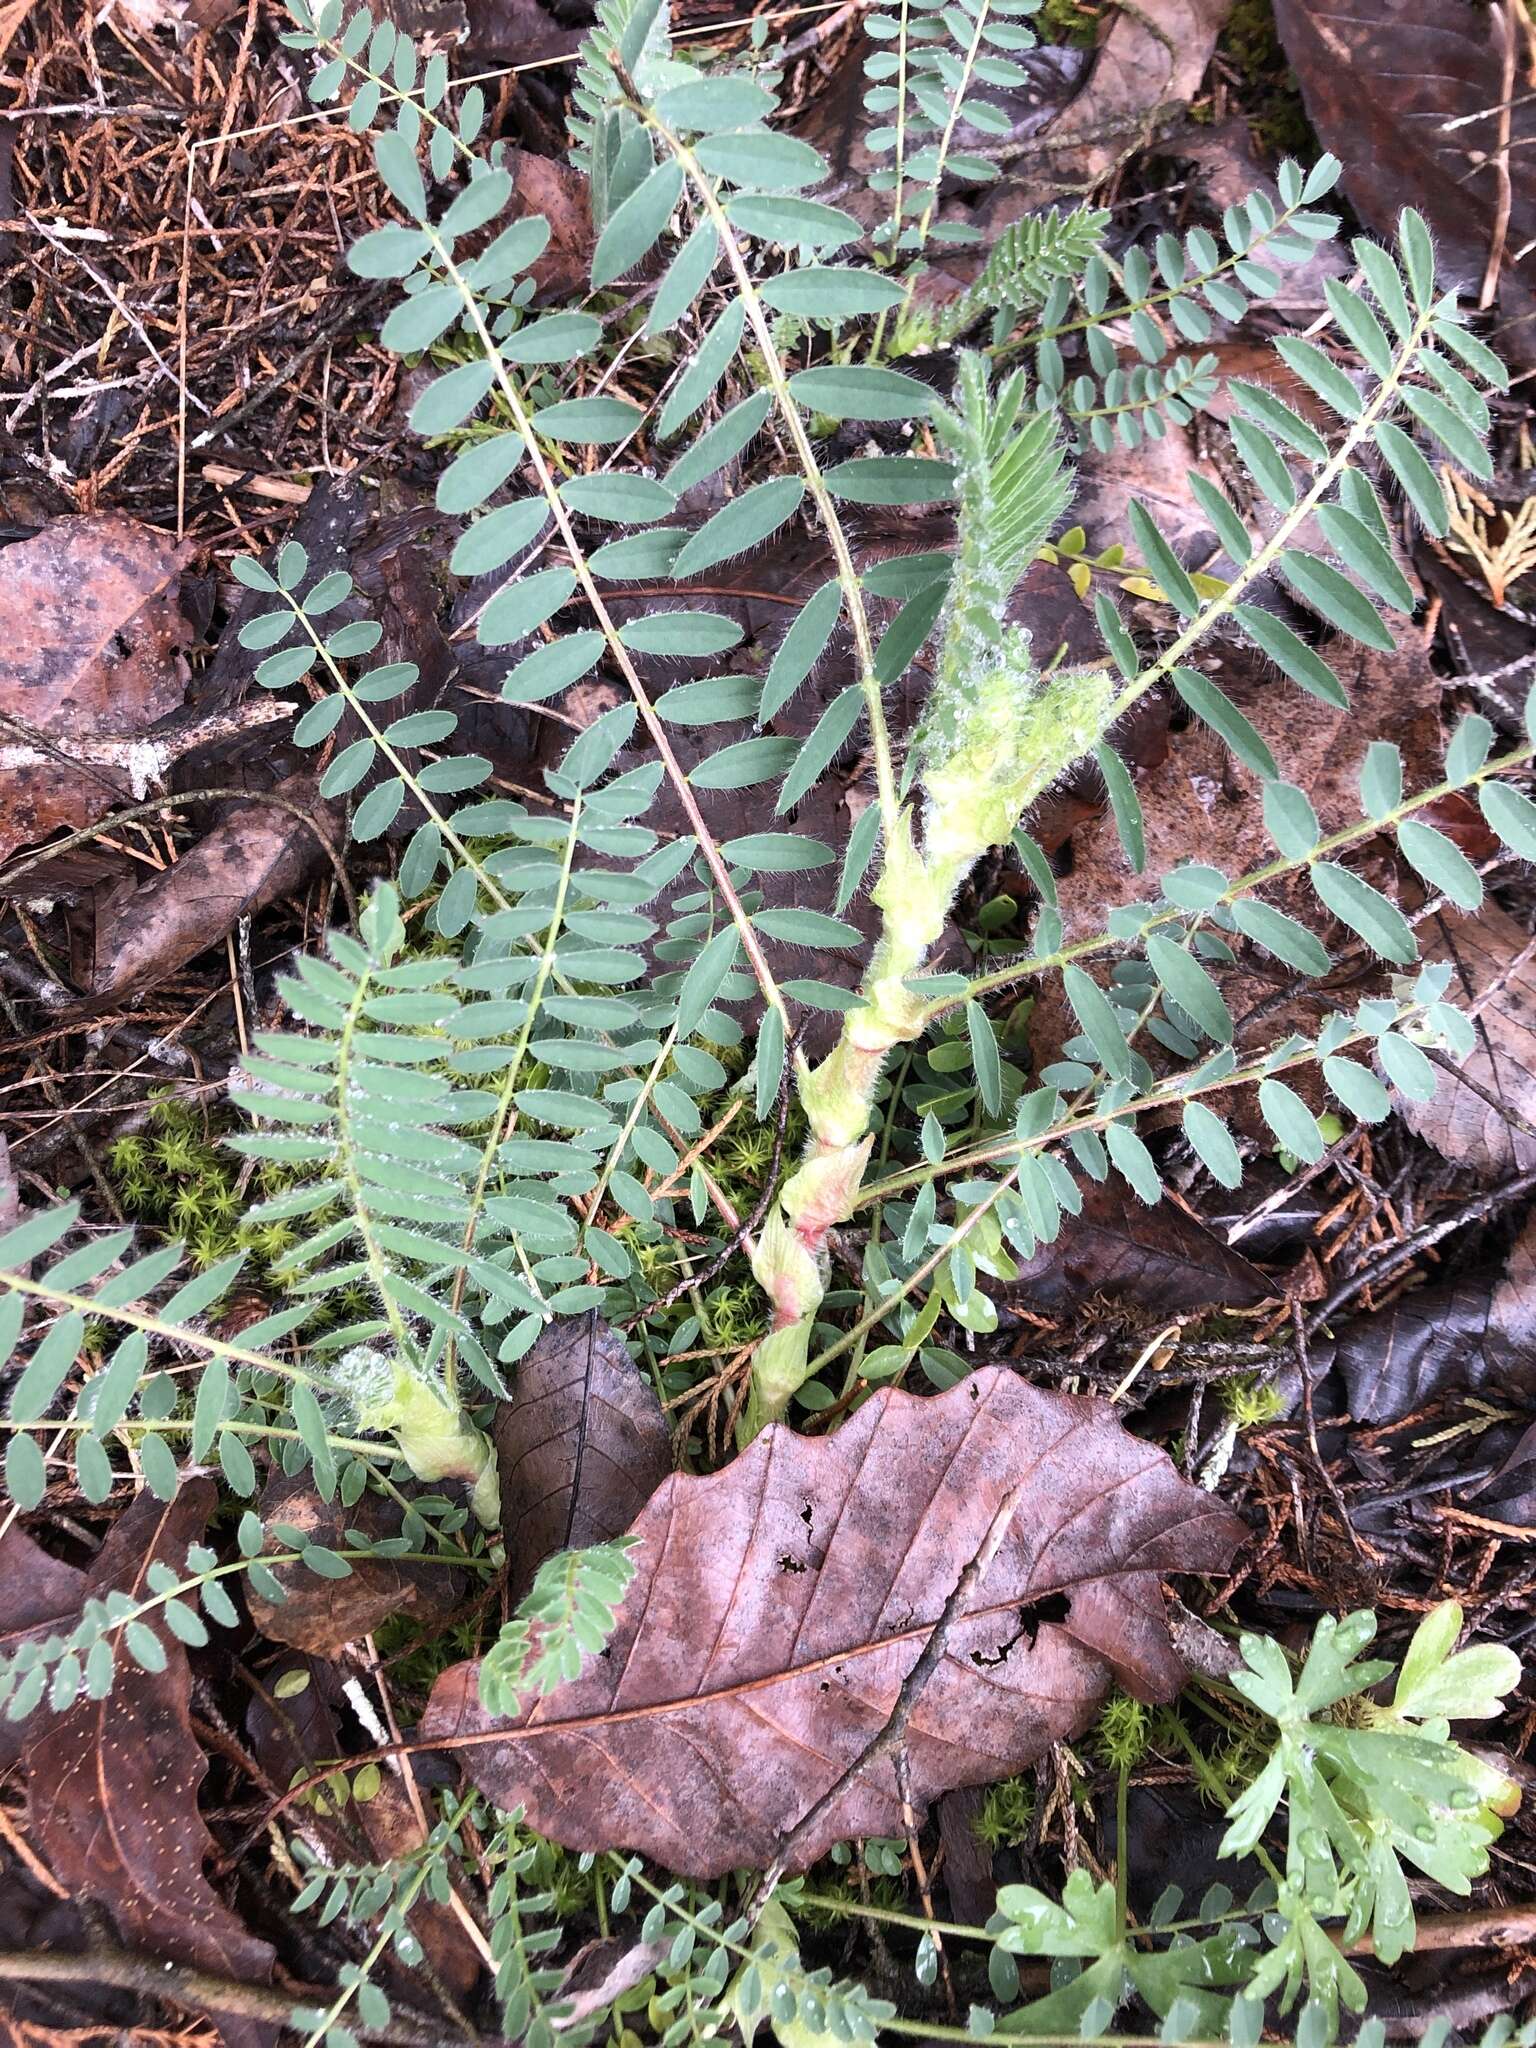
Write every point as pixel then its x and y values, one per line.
pixel 478 1136
pixel 502 1094
pixel 497 1131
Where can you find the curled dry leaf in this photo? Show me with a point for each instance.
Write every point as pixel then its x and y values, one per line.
pixel 1161 1258
pixel 320 1615
pixel 581 1446
pixel 92 659
pixel 1476 1334
pixel 112 1784
pixel 1425 108
pixel 1494 976
pixel 256 853
pixel 778 1606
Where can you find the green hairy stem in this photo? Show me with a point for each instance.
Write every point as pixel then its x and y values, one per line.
pixel 995 735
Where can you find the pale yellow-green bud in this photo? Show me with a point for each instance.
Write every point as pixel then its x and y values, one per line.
pixel 1013 748
pixel 434 1437
pixel 785 1269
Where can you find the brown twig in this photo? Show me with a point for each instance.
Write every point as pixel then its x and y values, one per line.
pixel 890 1737
pixel 198 1991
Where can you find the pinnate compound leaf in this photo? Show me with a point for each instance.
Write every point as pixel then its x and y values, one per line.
pixel 780 1673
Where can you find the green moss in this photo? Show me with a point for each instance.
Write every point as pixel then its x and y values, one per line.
pixel 1006 1814
pixel 1250 1401
pixel 1122 1732
pixel 1070 24
pixel 1268 93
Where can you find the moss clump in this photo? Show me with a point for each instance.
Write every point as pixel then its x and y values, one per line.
pixel 1269 94
pixel 1069 24
pixel 1006 1815
pixel 1251 1401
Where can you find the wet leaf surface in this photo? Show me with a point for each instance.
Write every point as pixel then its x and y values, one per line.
pixel 1475 1333
pixel 1160 1258
pixel 581 1446
pixel 779 1604
pixel 94 658
pixel 1433 1342
pixel 112 1785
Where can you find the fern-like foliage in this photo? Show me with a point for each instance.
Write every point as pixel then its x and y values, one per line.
pixel 1025 268
pixel 568 1614
pixel 927 80
pixel 1102 338
pixel 607 142
pixel 498 1100
pixel 981 729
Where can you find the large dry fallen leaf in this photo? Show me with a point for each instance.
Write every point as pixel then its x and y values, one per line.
pixel 92 657
pixel 1410 97
pixel 580 1446
pixel 1161 1258
pixel 1494 975
pixel 112 1784
pixel 778 1606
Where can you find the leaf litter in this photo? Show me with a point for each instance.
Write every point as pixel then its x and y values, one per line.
pixel 780 1604
pixel 734 1563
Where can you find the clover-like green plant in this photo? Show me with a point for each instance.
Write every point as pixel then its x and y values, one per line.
pixel 1371 1788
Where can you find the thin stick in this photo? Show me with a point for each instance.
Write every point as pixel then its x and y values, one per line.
pixel 891 1736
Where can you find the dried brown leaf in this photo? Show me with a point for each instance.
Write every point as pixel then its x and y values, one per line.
pixel 560 193
pixel 258 852
pixel 581 1446
pixel 1159 1257
pixel 779 1605
pixel 321 1615
pixel 92 659
pixel 1494 974
pixel 112 1784
pixel 1424 107
pixel 1149 64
